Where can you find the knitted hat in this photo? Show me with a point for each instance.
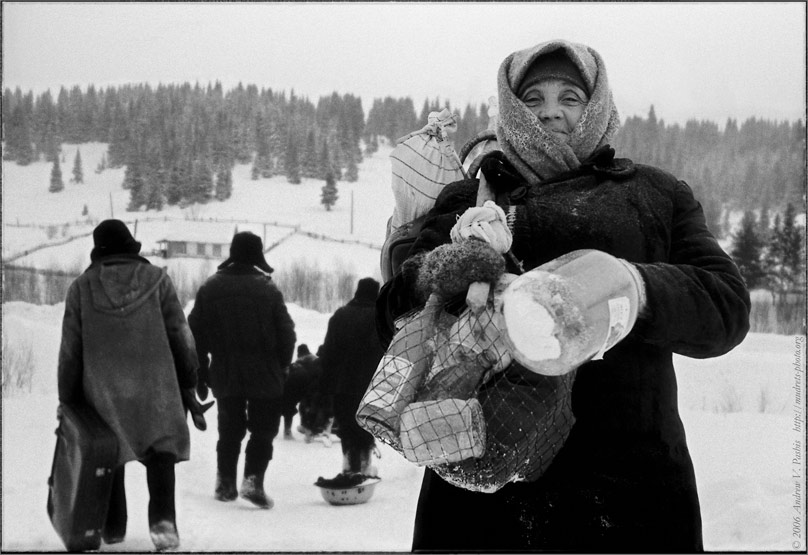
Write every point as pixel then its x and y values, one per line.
pixel 553 65
pixel 367 289
pixel 113 237
pixel 247 248
pixel 303 350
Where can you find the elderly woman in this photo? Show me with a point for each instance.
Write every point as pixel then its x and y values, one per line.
pixel 623 480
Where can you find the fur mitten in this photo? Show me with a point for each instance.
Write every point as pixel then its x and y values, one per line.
pixel 449 269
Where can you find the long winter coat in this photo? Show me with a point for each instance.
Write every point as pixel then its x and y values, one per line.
pixel 624 480
pixel 127 350
pixel 351 350
pixel 244 335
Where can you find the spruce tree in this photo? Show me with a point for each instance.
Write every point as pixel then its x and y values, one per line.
pixel 155 191
pixel 747 251
pixel 224 183
pixel 785 262
pixel 292 161
pixel 56 183
pixel 18 138
pixel 324 167
pixel 78 173
pixel 134 181
pixel 352 171
pixel 309 162
pixel 329 192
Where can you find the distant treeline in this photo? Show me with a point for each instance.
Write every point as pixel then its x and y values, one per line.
pixel 179 143
pixel 758 164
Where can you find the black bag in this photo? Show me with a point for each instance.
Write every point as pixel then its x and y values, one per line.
pixel 397 246
pixel 80 483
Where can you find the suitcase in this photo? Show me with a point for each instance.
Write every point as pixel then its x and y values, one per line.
pixel 80 483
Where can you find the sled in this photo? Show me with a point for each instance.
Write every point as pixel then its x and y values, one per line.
pixel 80 483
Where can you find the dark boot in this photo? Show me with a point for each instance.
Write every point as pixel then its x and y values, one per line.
pixel 227 453
pixel 287 427
pixel 114 529
pixel 162 512
pixel 225 487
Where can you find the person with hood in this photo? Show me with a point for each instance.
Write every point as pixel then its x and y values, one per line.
pixel 245 340
pixel 350 353
pixel 127 351
pixel 623 479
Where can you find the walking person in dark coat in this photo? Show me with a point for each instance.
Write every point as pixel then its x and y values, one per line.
pixel 350 354
pixel 245 339
pixel 624 480
pixel 127 351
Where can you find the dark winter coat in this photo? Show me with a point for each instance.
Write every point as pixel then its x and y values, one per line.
pixel 127 349
pixel 624 480
pixel 244 335
pixel 351 349
pixel 302 383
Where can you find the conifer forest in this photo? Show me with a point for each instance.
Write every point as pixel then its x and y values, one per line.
pixel 179 144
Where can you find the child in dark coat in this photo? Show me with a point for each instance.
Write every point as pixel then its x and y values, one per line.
pixel 301 394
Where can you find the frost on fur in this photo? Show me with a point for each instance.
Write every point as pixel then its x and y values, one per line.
pixel 449 269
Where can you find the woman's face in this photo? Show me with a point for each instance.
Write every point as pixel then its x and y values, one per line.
pixel 558 104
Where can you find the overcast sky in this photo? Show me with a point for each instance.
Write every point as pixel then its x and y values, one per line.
pixel 697 60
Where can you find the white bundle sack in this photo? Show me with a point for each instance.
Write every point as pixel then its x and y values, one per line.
pixel 423 162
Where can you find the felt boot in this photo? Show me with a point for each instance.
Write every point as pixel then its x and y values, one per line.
pixel 164 535
pixel 252 489
pixel 256 460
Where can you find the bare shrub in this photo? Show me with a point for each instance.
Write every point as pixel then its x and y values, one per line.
pixel 187 282
pixel 786 316
pixel 20 284
pixel 312 287
pixel 730 400
pixel 18 365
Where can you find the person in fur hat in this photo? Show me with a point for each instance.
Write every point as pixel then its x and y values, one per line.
pixel 127 351
pixel 245 340
pixel 350 354
pixel 623 481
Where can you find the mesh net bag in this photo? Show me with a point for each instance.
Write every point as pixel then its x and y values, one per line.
pixel 448 395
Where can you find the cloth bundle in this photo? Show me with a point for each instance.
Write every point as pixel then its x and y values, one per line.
pixel 423 162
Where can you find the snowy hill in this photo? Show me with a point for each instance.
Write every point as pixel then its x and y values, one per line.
pixel 739 410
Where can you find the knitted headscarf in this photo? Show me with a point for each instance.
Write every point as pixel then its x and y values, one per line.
pixel 533 150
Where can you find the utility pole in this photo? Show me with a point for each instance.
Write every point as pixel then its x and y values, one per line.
pixel 111 212
pixel 351 211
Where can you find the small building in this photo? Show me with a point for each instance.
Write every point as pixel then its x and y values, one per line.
pixel 194 245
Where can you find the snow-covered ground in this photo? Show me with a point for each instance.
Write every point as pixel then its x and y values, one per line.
pixel 743 412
